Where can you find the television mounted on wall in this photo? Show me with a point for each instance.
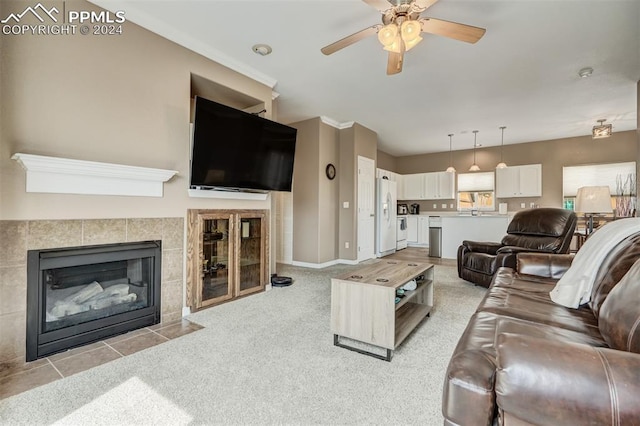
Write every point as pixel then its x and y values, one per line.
pixel 237 151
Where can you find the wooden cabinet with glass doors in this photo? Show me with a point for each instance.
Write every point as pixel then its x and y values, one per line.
pixel 227 255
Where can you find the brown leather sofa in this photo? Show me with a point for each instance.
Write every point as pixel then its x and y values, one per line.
pixel 524 360
pixel 547 230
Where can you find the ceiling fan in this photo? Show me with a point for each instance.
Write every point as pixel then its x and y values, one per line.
pixel 401 28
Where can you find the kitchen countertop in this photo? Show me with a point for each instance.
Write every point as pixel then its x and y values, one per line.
pixel 458 214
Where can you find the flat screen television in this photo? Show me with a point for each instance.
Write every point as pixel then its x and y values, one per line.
pixel 238 151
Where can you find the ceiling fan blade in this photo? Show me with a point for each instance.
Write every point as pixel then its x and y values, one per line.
pixel 394 64
pixel 349 40
pixel 423 5
pixel 381 5
pixel 453 30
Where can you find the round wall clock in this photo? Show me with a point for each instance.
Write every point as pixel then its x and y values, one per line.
pixel 330 171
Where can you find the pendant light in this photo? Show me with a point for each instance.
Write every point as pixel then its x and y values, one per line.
pixel 450 169
pixel 474 167
pixel 502 164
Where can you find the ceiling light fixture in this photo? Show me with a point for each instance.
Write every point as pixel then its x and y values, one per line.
pixel 395 35
pixel 262 49
pixel 602 130
pixel 474 167
pixel 450 169
pixel 585 72
pixel 502 164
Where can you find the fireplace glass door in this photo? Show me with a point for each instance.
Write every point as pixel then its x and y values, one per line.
pixel 79 294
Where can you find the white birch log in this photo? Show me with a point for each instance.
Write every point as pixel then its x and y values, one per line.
pixel 89 291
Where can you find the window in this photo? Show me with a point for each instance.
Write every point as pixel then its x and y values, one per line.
pixel 619 177
pixel 476 191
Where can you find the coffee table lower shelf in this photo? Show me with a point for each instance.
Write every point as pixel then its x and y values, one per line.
pixel 363 305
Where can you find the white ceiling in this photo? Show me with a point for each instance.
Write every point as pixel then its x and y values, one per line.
pixel 522 74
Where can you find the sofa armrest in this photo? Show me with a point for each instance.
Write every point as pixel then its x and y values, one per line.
pixel 482 246
pixel 544 265
pixel 546 382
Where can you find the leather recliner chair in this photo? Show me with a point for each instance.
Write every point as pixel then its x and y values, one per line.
pixel 546 230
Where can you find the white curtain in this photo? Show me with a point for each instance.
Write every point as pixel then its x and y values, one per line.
pixel 574 177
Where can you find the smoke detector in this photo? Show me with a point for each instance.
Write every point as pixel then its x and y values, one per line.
pixel 585 72
pixel 262 49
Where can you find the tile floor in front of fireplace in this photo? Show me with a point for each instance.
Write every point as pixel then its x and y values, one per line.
pixel 20 377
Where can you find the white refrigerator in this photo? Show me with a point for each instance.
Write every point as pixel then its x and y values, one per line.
pixel 386 218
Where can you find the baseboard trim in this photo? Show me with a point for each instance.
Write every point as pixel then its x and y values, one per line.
pixel 325 264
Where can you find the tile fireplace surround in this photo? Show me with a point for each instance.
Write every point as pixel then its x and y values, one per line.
pixel 16 237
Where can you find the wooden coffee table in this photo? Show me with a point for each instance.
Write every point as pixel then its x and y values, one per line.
pixel 363 304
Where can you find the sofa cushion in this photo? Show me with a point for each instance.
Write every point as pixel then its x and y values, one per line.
pixel 542 222
pixel 613 269
pixel 550 244
pixel 619 320
pixel 548 382
pixel 526 297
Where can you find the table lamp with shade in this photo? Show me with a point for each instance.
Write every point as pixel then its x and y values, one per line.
pixel 593 200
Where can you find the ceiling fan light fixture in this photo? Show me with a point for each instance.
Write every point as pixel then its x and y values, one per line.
pixel 602 130
pixel 411 44
pixel 387 35
pixel 410 30
pixel 396 46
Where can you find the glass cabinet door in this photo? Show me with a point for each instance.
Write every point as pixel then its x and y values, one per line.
pixel 251 256
pixel 216 275
pixel 227 255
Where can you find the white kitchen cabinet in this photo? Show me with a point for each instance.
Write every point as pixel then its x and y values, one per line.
pixel 423 230
pixel 400 186
pixel 429 186
pixel 413 186
pixel 519 181
pixel 412 229
pixel 439 186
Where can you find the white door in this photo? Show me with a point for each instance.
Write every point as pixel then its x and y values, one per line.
pixel 366 208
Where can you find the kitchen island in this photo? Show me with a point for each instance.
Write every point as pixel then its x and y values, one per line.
pixel 456 228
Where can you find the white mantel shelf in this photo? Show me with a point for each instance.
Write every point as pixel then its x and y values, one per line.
pixel 66 176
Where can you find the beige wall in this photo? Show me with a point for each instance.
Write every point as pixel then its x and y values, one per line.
pixel 320 225
pixel 386 161
pixel 552 154
pixel 354 141
pixel 328 195
pixel 315 198
pixel 306 174
pixel 121 99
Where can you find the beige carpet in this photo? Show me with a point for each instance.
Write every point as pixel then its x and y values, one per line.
pixel 265 359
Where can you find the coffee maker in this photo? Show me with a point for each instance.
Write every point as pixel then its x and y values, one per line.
pixel 415 208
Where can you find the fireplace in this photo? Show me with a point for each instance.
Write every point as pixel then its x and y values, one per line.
pixel 83 294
